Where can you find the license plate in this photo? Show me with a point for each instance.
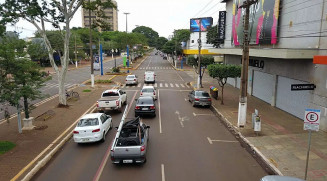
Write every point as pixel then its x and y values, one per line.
pixel 127 161
pixel 145 109
pixel 85 139
pixel 202 104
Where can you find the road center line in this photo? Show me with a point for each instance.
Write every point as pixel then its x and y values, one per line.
pixel 160 129
pixel 223 141
pixel 107 154
pixel 163 172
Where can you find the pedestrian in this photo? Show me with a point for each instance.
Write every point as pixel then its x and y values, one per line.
pixel 7 114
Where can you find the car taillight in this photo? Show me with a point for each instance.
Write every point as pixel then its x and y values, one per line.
pixel 154 93
pixel 75 132
pixel 96 130
pixel 197 99
pixel 141 93
pixel 117 103
pixel 137 107
pixel 152 107
pixel 126 80
pixel 142 148
pixel 97 104
pixel 134 79
pixel 209 99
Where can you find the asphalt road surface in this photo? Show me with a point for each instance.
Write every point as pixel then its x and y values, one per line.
pixel 186 143
pixel 73 77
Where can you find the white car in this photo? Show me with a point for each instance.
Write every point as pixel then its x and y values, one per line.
pixel 131 79
pixel 92 128
pixel 148 91
pixel 149 76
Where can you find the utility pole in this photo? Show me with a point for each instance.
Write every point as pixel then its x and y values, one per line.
pixel 126 20
pixel 75 51
pixel 245 63
pixel 91 53
pixel 199 57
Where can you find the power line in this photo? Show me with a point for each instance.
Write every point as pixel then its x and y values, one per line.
pixel 203 8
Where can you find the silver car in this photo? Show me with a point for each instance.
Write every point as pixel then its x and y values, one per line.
pixel 131 79
pixel 199 98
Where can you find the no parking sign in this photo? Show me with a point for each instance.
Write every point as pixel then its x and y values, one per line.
pixel 311 119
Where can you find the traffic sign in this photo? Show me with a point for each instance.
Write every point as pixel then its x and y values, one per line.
pixel 311 119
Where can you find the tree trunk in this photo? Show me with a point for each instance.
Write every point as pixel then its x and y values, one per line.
pixel 27 113
pixel 62 91
pixel 222 95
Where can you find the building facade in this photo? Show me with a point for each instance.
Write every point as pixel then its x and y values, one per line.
pixel 111 13
pixel 286 38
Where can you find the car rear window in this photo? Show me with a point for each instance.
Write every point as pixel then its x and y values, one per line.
pixel 130 76
pixel 202 94
pixel 107 94
pixel 88 122
pixel 145 101
pixel 147 90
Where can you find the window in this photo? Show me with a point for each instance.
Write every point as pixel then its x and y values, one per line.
pixel 103 118
pixel 108 94
pixel 88 122
pixel 147 90
pixel 145 101
pixel 202 94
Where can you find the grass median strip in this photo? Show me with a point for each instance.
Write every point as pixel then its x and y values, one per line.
pixel 6 146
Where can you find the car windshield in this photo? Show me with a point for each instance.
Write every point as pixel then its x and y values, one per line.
pixel 147 90
pixel 130 76
pixel 107 94
pixel 145 101
pixel 202 94
pixel 88 122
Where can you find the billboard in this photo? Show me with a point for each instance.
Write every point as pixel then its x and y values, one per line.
pixel 205 24
pixel 262 22
pixel 221 26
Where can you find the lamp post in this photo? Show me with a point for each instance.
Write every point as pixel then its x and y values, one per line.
pixel 126 20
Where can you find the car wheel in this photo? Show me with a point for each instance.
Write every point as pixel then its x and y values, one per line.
pixel 154 115
pixel 101 111
pixel 111 125
pixel 193 104
pixel 103 137
pixel 120 109
pixel 136 115
pixel 125 102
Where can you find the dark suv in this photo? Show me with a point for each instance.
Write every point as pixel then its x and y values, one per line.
pixel 145 106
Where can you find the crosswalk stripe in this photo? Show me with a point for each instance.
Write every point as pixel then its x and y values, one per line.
pixel 187 86
pixel 177 85
pixel 182 85
pixel 160 84
pixel 123 86
pixel 166 85
pixel 171 85
pixel 155 85
pixel 139 85
pixel 133 86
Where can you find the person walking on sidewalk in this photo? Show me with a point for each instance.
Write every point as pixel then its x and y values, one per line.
pixel 7 114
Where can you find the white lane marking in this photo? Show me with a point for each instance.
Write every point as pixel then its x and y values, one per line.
pixel 163 172
pixel 123 86
pixel 139 85
pixel 187 86
pixel 166 85
pixel 176 85
pixel 186 99
pixel 194 114
pixel 223 141
pixel 171 85
pixel 155 85
pixel 182 85
pixel 181 119
pixel 160 128
pixel 133 86
pixel 160 84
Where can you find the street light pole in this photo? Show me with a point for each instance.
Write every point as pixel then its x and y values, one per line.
pixel 91 53
pixel 126 20
pixel 199 84
pixel 245 63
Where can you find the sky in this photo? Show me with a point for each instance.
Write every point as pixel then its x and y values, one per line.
pixel 163 16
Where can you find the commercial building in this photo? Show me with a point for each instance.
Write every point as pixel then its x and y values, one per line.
pixel 288 45
pixel 111 13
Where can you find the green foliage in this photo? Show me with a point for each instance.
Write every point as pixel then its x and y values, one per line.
pixel 115 69
pixel 20 77
pixel 221 72
pixel 6 146
pixel 86 90
pixel 182 35
pixel 170 46
pixel 160 42
pixel 205 60
pixel 149 33
pixel 212 36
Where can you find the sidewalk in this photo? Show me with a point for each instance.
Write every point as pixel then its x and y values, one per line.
pixel 282 140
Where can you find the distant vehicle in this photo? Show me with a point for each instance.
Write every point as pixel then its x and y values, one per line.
pixel 149 76
pixel 148 91
pixel 201 98
pixel 92 128
pixel 130 142
pixel 131 79
pixel 164 57
pixel 112 99
pixel 279 178
pixel 156 53
pixel 145 106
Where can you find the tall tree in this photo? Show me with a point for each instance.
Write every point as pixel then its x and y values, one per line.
pixel 149 33
pixel 212 36
pixel 160 42
pixel 59 14
pixel 205 61
pixel 182 35
pixel 221 72
pixel 20 77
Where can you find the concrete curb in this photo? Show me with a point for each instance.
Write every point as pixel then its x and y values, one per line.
pixel 48 157
pixel 256 150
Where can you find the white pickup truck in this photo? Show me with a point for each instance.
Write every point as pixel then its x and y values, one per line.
pixel 112 99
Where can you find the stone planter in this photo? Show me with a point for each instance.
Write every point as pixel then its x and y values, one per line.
pixel 28 124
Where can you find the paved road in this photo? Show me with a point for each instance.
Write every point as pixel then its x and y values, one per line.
pixel 73 77
pixel 185 143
